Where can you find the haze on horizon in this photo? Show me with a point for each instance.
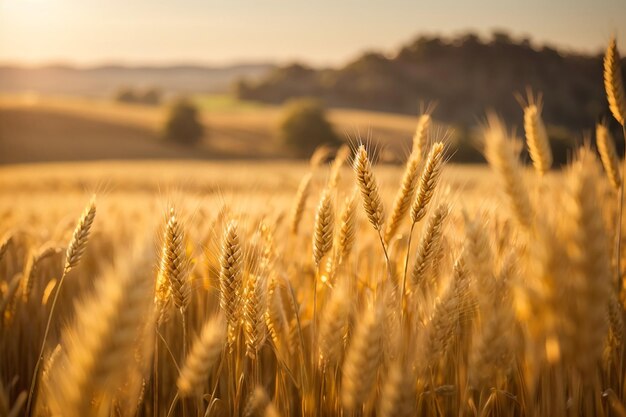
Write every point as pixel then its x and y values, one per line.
pixel 322 32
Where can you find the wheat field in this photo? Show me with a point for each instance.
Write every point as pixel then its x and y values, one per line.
pixel 340 288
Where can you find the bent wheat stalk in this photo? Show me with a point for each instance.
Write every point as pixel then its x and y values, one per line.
pixel 74 252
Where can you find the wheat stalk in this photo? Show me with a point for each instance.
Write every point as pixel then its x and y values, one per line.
pixel 73 254
pixel 100 346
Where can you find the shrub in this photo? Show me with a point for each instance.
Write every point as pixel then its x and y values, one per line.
pixel 183 124
pixel 151 97
pixel 304 127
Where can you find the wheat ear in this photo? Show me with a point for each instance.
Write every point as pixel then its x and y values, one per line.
pixel 340 158
pixel 360 368
pixel 372 202
pixel 174 264
pixel 503 158
pixel 397 397
pixel 347 227
pixel 80 236
pixel 204 354
pixel 613 82
pixel 324 226
pixel 300 202
pixel 608 155
pixel 260 405
pixel 254 326
pixel 420 137
pixel 429 244
pixel 405 193
pixel 537 138
pixel 427 182
pixel 231 263
pixel 333 327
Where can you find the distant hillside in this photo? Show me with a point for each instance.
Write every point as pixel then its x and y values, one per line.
pixel 105 80
pixel 465 76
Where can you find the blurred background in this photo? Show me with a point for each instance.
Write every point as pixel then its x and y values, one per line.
pixel 93 80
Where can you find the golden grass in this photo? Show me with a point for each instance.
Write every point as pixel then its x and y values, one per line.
pixel 515 305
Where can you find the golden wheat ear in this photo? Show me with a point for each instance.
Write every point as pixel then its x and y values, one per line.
pixel 360 369
pixel 255 305
pixel 260 405
pixel 428 245
pixel 299 204
pixel 420 137
pixel 427 182
pixel 324 227
pixel 205 352
pixel 502 154
pixel 403 198
pixel 343 153
pixel 174 263
pixel 537 137
pixel 613 82
pixel 78 243
pixel 608 155
pixel 398 393
pixel 347 227
pixel 333 327
pixel 372 202
pixel 231 277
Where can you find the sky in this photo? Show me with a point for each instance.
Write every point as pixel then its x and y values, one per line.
pixel 319 32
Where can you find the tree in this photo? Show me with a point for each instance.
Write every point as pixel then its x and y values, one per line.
pixel 126 95
pixel 183 124
pixel 304 127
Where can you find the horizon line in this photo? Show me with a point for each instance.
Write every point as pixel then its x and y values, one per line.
pixel 130 63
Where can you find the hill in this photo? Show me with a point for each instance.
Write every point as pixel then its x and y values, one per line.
pixel 44 129
pixel 465 75
pixel 105 80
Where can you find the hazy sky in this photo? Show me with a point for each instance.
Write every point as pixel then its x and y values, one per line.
pixel 318 31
